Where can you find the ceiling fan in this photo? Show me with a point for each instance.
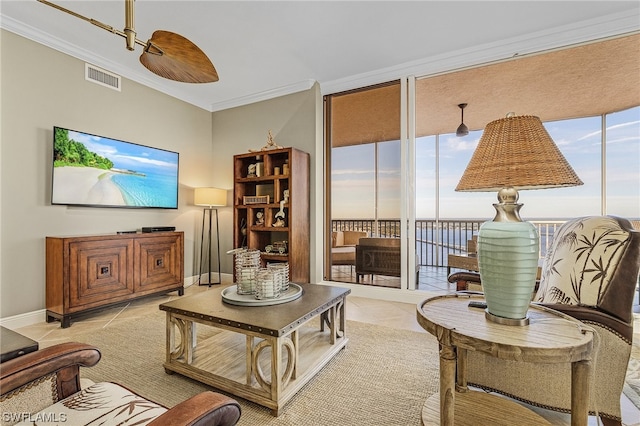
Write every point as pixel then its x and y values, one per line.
pixel 166 54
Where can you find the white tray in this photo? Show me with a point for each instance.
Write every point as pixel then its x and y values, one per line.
pixel 231 296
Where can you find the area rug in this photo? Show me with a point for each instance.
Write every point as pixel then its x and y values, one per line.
pixel 382 377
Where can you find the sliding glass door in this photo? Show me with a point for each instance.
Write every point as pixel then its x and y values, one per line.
pixel 364 190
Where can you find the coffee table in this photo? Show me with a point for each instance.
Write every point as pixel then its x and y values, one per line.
pixel 261 353
pixel 550 337
pixel 14 344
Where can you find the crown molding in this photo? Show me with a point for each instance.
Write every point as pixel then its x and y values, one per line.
pixel 560 37
pixel 608 26
pixel 60 45
pixel 263 96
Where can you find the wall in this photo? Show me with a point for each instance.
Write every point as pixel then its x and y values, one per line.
pixel 41 88
pixel 293 123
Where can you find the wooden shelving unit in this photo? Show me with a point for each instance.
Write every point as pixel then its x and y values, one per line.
pixel 282 170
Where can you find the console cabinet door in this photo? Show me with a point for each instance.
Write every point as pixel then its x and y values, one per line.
pixel 158 263
pixel 99 272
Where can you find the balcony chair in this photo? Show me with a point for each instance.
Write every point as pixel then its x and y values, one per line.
pixel 343 247
pixel 43 387
pixel 468 260
pixel 380 256
pixel 590 273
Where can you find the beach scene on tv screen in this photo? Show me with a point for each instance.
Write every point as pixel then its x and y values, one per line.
pixel 95 170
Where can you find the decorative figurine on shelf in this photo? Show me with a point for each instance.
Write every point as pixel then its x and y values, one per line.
pixel 243 231
pixel 251 172
pixel 280 217
pixel 285 196
pixel 279 247
pixel 260 218
pixel 271 144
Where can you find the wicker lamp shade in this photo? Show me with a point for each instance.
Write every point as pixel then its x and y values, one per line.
pixel 517 151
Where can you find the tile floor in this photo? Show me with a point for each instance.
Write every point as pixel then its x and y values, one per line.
pixel 374 311
pixel 429 278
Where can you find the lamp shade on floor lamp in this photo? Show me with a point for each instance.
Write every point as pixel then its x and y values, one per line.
pixel 211 197
pixel 513 153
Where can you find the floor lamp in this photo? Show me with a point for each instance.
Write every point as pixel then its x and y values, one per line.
pixel 210 198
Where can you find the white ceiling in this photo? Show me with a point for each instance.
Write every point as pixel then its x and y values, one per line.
pixel 263 49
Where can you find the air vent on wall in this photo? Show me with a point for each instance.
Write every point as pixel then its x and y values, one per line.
pixel 101 77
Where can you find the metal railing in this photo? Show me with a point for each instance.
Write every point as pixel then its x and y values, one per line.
pixel 435 239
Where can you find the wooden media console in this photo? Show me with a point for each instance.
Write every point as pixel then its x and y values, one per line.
pixel 87 273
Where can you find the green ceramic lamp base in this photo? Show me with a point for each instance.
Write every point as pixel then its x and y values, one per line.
pixel 508 261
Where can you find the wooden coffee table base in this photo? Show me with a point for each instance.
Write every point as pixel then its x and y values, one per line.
pixel 480 408
pixel 249 360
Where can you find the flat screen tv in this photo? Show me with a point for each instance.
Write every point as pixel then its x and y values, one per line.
pixel 95 171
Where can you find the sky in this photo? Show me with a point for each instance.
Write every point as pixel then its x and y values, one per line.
pixel 129 156
pixel 579 140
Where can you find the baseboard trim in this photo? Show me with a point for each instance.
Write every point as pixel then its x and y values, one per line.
pixel 23 320
pixel 40 316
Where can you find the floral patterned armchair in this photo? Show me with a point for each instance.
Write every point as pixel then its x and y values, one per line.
pixel 43 387
pixel 590 273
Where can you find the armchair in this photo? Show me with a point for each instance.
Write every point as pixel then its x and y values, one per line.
pixel 343 246
pixel 43 387
pixel 590 273
pixel 380 256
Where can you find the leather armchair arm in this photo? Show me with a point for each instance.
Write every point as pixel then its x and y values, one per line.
pixel 593 315
pixel 462 280
pixel 206 408
pixel 464 276
pixel 64 359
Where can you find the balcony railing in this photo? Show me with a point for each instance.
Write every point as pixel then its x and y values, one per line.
pixel 435 239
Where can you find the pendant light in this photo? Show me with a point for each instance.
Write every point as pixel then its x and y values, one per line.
pixel 462 130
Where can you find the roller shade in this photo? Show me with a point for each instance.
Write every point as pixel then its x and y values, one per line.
pixel 587 80
pixel 365 116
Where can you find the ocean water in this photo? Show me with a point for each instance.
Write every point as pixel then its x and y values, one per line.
pixel 152 190
pixel 434 243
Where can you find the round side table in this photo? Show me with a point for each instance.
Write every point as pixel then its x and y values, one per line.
pixel 550 337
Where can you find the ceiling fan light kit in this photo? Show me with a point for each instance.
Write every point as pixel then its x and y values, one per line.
pixel 166 54
pixel 462 130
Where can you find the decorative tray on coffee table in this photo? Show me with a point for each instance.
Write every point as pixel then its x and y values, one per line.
pixel 231 296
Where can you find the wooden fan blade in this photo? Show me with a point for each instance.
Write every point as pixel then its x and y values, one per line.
pixel 172 56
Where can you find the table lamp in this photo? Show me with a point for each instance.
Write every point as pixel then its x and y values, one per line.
pixel 514 153
pixel 209 197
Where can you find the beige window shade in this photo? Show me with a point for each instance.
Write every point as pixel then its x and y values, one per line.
pixel 582 81
pixel 365 116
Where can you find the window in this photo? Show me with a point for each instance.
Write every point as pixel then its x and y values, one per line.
pixel 364 165
pixel 623 163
